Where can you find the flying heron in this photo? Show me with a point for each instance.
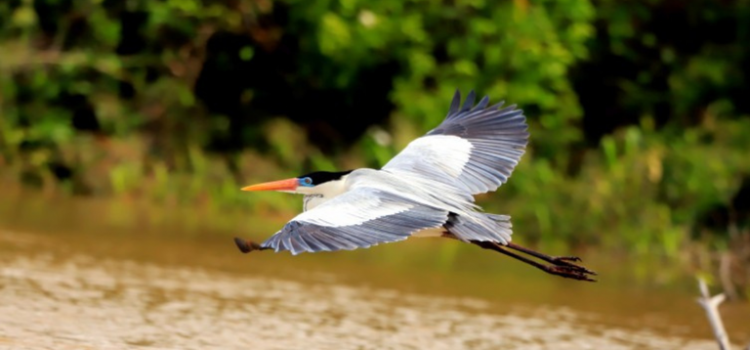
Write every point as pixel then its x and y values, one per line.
pixel 427 190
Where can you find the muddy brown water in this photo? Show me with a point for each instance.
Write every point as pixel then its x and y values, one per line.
pixel 72 277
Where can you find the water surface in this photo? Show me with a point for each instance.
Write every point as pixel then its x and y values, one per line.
pixel 70 279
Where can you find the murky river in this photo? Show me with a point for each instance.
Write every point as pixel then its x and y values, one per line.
pixel 71 279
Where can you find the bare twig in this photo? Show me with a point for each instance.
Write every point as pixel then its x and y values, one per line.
pixel 725 264
pixel 711 305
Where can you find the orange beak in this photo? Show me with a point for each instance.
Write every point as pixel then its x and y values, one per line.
pixel 281 185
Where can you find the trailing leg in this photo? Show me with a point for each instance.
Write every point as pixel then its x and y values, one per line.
pixel 556 260
pixel 560 267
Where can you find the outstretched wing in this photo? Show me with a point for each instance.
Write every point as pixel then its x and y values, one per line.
pixel 359 218
pixel 478 147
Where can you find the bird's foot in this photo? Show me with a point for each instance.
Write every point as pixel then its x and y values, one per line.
pixel 564 266
pixel 569 262
pixel 571 271
pixel 246 246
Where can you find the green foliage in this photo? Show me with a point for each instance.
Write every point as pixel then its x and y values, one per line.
pixel 638 111
pixel 643 195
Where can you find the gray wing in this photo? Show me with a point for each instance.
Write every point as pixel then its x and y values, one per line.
pixel 477 147
pixel 359 218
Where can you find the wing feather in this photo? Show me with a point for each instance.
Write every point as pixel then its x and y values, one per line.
pixel 477 148
pixel 359 218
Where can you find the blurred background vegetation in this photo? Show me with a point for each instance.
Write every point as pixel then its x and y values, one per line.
pixel 638 110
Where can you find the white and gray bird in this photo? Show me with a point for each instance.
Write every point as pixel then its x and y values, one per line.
pixel 427 190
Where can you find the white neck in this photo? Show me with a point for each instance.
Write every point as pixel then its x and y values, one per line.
pixel 316 195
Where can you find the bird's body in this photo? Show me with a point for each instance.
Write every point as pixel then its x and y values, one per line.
pixel 427 190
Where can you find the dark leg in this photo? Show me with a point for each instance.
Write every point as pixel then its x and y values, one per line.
pixel 246 246
pixel 556 260
pixel 568 271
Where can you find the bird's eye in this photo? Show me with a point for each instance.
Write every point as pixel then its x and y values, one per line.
pixel 307 181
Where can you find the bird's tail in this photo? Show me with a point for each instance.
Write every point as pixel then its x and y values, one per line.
pixel 481 227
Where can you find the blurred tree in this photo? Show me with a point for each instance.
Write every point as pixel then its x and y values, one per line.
pixel 638 110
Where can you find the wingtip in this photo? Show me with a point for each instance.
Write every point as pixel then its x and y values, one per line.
pixel 242 245
pixel 482 103
pixel 455 103
pixel 470 98
pixel 498 105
